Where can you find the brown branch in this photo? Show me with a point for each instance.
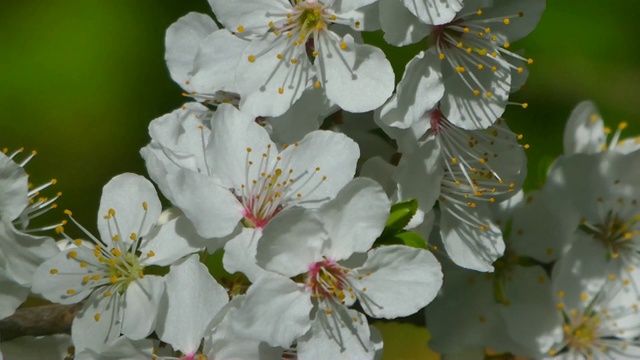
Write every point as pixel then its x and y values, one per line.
pixel 38 321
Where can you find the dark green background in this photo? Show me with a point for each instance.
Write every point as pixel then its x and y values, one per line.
pixel 82 79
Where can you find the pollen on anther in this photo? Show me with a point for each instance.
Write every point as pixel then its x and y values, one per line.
pixel 343 45
pixel 53 271
pixel 280 91
pixel 316 84
pixel 507 21
pixel 240 28
pixel 96 317
pixel 251 58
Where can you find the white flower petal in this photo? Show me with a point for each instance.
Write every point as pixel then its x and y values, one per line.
pixel 192 298
pixel 136 205
pixel 584 132
pixel 181 44
pixel 419 175
pixel 319 154
pixel 21 254
pixel 13 188
pixel 531 302
pixel 214 66
pixel 99 321
pixel 240 254
pixel 400 26
pixel 251 15
pixel 519 26
pixel 399 281
pixel 141 301
pixel 170 242
pixel 419 91
pixel 355 218
pixel 268 85
pixel 343 6
pixel 44 347
pixel 214 210
pixel 60 279
pixel 357 77
pixel 467 245
pixel 342 335
pixel 275 310
pixel 434 12
pixel 11 297
pixel 233 133
pixel 304 116
pixel 281 249
pixel 468 111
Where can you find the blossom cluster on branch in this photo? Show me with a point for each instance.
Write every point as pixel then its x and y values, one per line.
pixel 310 193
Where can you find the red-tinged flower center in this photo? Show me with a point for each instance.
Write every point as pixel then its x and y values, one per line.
pixel 271 185
pixel 328 280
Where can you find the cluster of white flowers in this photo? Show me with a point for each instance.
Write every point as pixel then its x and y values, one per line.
pixel 273 248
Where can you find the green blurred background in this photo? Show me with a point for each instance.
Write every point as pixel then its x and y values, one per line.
pixel 81 80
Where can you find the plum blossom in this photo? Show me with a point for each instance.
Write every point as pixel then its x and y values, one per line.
pixel 312 284
pixel 110 272
pixel 297 45
pixel 21 251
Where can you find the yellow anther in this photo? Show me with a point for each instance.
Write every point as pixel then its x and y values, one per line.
pixel 59 229
pixel 240 28
pixel 623 125
pixel 357 24
pixel 107 294
pixel 251 58
pixel 460 69
pixel 85 279
pixel 116 252
pixel 479 12
pixel 280 91
pixel 465 30
pixel 271 24
pixel 294 61
pixel 506 45
pixel 476 92
pixel 83 264
pixel 441 56
pixel 316 84
pixel 133 236
pixel 506 21
pixel 530 61
pixel 73 254
pixel 315 53
pixel 68 212
pixel 151 253
pixel 77 242
pixel 115 237
pixel 53 271
pixel 489 94
pixel 71 292
pixel 111 212
pixel 96 317
pixel 113 279
pixel 480 66
pixel 343 45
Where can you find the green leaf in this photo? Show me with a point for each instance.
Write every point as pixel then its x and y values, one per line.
pixel 401 214
pixel 407 238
